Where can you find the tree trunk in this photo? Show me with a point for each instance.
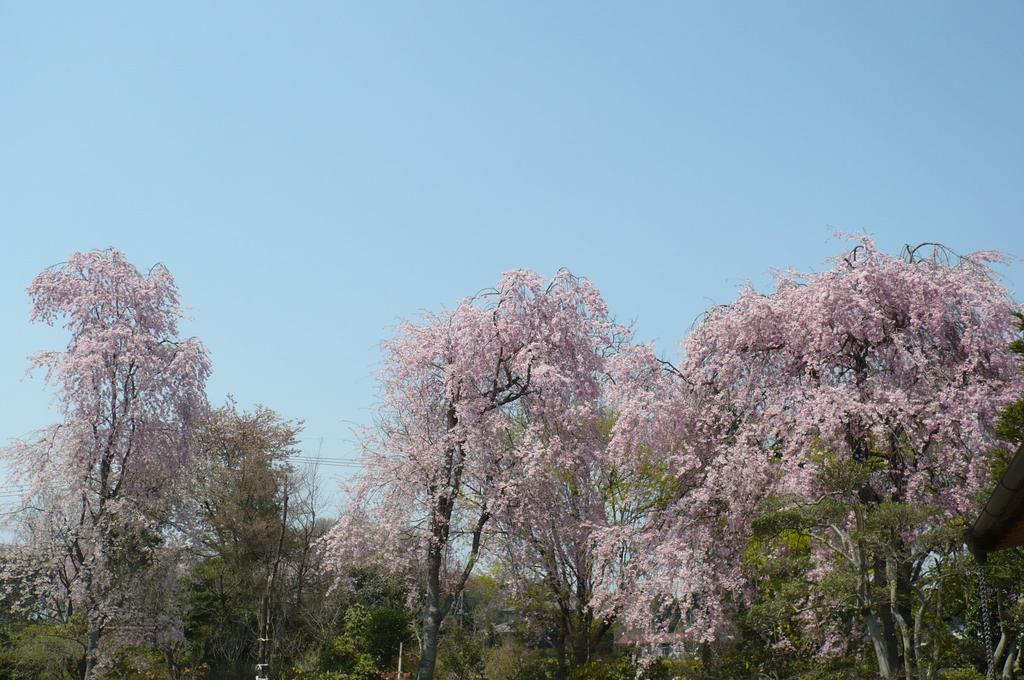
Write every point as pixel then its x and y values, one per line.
pixel 581 639
pixel 877 616
pixel 173 668
pixel 92 654
pixel 882 631
pixel 431 616
pixel 94 623
pixel 898 576
pixel 1001 647
pixel 440 525
pixel 1011 658
pixel 264 644
pixel 885 668
pixel 563 644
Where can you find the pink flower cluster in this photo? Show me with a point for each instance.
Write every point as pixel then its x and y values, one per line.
pixel 900 359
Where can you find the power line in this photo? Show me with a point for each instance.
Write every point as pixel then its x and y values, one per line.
pixel 328 460
pixel 327 463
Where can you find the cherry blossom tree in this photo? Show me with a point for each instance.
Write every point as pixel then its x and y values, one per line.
pixel 550 540
pixel 478 401
pixel 852 408
pixel 128 389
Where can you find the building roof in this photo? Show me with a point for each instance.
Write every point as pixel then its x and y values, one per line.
pixel 1001 522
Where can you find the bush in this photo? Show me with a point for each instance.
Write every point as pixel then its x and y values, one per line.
pixel 675 669
pixel 620 668
pixel 514 661
pixel 44 651
pixel 461 656
pixel 349 655
pixel 961 674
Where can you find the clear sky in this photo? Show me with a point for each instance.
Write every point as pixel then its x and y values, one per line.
pixel 312 172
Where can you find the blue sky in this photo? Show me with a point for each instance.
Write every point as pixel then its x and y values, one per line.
pixel 312 174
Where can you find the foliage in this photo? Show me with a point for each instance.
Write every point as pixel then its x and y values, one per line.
pixel 619 669
pixel 350 653
pixel 512 660
pixel 44 651
pixel 128 389
pixel 856 406
pixel 541 499
pixel 479 402
pixel 1010 426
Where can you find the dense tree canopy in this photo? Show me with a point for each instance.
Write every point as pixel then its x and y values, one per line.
pixel 540 497
pixel 478 401
pixel 854 407
pixel 128 389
